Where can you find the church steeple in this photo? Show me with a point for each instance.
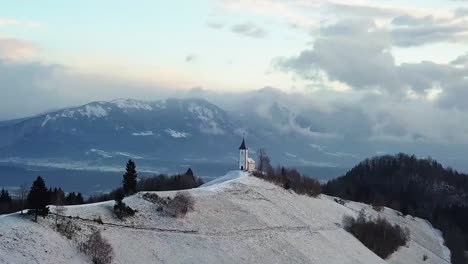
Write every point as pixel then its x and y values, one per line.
pixel 242 146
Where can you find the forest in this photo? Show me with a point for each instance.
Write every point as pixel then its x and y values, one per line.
pixel 413 186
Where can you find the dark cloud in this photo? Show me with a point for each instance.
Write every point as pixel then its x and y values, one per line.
pixel 358 54
pixel 24 89
pixel 406 20
pixel 460 60
pixel 430 33
pixel 29 88
pixel 341 51
pixel 249 30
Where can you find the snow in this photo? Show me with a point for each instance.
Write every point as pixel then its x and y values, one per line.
pixel 237 219
pixel 219 182
pixel 176 134
pixel 132 104
pixel 92 111
pixel 143 134
pixel 46 120
pixel 207 117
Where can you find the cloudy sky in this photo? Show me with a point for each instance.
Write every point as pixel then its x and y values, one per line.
pixel 401 63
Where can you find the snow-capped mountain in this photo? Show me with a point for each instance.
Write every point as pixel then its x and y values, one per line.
pixel 172 131
pixel 146 128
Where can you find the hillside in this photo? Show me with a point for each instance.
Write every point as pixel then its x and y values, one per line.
pixel 237 219
pixel 419 187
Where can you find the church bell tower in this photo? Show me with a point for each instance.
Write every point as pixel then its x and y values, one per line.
pixel 243 156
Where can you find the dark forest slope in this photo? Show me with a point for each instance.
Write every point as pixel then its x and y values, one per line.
pixel 419 187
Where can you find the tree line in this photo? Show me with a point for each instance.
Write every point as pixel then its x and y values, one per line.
pixel 37 198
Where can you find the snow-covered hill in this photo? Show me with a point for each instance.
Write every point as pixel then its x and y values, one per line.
pixel 237 219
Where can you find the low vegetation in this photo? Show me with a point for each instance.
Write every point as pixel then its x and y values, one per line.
pixel 161 182
pixel 98 249
pixel 291 179
pixel 378 235
pixel 122 210
pixel 68 229
pixel 181 204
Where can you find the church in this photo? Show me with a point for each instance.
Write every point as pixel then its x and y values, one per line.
pixel 245 163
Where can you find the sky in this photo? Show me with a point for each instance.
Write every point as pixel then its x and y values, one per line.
pixel 401 63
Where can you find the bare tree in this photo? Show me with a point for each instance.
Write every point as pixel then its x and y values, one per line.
pixel 98 249
pixel 59 209
pixel 263 160
pixel 23 195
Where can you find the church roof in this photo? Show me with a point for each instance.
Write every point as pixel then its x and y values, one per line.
pixel 242 146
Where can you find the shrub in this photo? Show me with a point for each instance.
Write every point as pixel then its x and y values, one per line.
pixel 292 179
pixel 122 210
pixel 98 249
pixel 181 204
pixel 379 236
pixel 98 220
pixel 68 229
pixel 378 208
pixel 340 201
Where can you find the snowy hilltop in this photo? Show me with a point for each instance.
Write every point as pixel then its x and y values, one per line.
pixel 236 219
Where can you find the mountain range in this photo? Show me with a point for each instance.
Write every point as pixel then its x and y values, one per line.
pixel 165 134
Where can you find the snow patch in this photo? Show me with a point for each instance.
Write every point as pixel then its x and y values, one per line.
pixel 46 120
pixel 93 111
pixel 229 177
pixel 143 134
pixel 207 117
pixel 176 134
pixel 132 104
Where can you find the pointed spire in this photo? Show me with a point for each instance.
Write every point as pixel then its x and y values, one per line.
pixel 242 146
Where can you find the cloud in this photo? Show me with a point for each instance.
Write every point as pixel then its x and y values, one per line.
pixel 398 102
pixel 8 22
pixel 29 88
pixel 215 25
pixel 191 58
pixel 15 49
pixel 249 30
pixel 461 12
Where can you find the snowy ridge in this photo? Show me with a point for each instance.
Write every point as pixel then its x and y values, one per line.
pixel 89 111
pixel 237 219
pixel 132 104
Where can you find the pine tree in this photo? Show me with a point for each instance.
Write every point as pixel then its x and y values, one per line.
pixel 5 196
pixel 38 198
pixel 189 172
pixel 79 199
pixel 5 201
pixel 129 182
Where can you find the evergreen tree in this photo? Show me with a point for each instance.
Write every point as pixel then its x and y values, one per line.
pixel 5 202
pixel 129 182
pixel 38 198
pixel 79 199
pixel 189 172
pixel 5 196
